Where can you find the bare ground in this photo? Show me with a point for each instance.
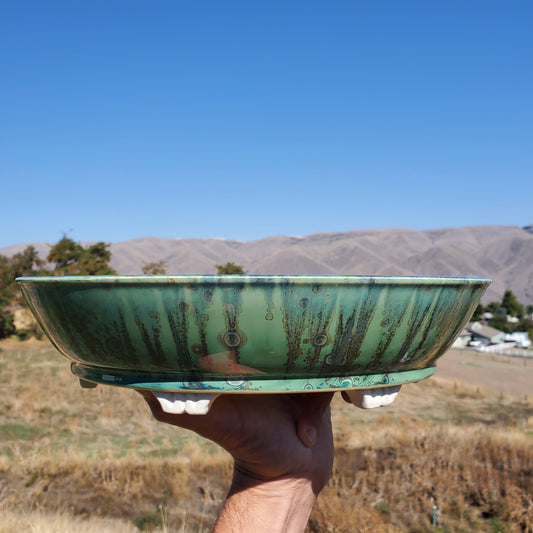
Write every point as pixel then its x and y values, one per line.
pixel 512 376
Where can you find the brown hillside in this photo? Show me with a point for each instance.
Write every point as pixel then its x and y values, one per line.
pixel 502 253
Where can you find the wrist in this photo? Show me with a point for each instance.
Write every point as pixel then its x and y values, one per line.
pixel 274 505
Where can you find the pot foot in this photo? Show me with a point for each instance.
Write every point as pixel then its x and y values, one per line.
pixel 372 398
pixel 185 402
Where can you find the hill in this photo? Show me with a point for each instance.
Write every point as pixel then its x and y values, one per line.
pixel 502 253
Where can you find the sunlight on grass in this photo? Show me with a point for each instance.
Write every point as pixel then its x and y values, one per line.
pixel 94 460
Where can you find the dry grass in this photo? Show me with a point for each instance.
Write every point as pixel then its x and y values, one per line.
pixel 95 460
pixel 474 477
pixel 39 522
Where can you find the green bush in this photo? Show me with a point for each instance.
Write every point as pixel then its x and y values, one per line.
pixel 7 327
pixel 23 334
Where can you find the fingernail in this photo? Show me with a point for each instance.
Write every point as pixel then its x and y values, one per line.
pixel 310 436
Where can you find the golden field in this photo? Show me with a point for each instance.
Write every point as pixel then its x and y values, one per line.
pixel 446 456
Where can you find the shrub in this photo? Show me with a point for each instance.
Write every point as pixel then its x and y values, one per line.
pixel 7 326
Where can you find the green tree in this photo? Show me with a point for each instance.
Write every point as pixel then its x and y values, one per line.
pixel 26 263
pixel 72 259
pixel 6 290
pixel 154 269
pixel 229 268
pixel 526 324
pixel 94 260
pixel 6 277
pixel 65 254
pixel 514 308
pixel 478 313
pixel 7 327
pixel 492 307
pixel 499 321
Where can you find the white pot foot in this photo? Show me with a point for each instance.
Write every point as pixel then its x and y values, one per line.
pixel 372 398
pixel 192 403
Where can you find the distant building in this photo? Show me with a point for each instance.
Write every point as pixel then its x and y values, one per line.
pixel 520 338
pixel 463 339
pixel 484 335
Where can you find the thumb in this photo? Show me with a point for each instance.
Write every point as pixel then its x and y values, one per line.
pixel 315 409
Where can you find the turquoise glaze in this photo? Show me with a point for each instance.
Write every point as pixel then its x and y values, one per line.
pixel 252 333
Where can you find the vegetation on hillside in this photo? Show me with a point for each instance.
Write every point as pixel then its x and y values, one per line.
pixel 72 259
pixel 229 268
pixel 501 311
pixel 154 268
pixel 66 257
pixel 26 263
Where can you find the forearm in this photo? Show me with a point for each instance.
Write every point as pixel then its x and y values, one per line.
pixel 274 506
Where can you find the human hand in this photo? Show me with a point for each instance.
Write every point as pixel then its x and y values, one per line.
pixel 282 445
pixel 268 435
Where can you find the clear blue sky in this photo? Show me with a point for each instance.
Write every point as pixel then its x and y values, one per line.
pixel 123 119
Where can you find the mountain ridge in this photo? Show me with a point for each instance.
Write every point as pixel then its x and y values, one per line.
pixel 501 253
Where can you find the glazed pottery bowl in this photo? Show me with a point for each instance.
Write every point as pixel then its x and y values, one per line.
pixel 252 333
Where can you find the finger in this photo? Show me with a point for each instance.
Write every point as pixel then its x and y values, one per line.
pixel 345 397
pixel 314 410
pixel 159 414
pixel 209 426
pixel 153 404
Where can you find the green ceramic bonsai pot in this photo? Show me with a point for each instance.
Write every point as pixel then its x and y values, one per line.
pixel 252 333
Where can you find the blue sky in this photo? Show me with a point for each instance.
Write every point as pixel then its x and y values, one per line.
pixel 122 119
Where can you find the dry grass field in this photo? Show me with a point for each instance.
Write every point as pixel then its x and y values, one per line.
pixel 451 454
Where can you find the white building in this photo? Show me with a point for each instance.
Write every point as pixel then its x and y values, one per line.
pixel 521 338
pixel 484 335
